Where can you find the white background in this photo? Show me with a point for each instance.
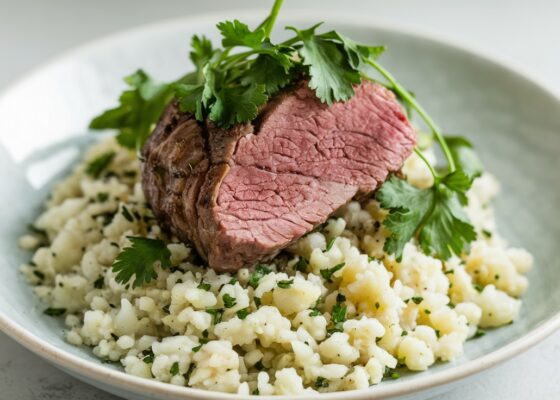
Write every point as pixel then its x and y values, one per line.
pixel 525 32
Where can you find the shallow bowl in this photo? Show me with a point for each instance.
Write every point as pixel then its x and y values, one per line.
pixel 512 119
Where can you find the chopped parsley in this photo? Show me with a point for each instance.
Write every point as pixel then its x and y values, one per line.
pixel 174 370
pixel 338 316
pixel 149 357
pixel 196 349
pixel 487 233
pixel 126 214
pixel 229 301
pixel 204 286
pixel 390 373
pixel 39 274
pixel 242 314
pixel 479 333
pixel 216 315
pixel 321 382
pixel 301 265
pixel 285 284
pixel 54 312
pixel 330 244
pixel 478 288
pixel 95 167
pixel 188 374
pixel 315 312
pixel 256 276
pixel 102 197
pixel 99 282
pixel 139 259
pixel 327 273
pixel 417 299
pixel 449 271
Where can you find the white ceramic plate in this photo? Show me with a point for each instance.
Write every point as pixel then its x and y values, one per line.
pixel 514 121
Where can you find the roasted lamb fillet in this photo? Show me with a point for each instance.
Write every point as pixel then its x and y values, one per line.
pixel 243 194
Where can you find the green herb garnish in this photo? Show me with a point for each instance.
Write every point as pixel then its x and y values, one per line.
pixel 54 312
pixel 314 312
pixel 330 244
pixel 149 357
pixel 99 282
pixel 39 274
pixel 139 259
pixel 95 167
pixel 285 284
pixel 102 197
pixel 321 382
pixel 259 365
pixel 174 370
pixel 327 273
pixel 229 301
pixel 242 314
pixel 301 265
pixel 256 276
pixel 479 333
pixel 126 214
pixel 216 315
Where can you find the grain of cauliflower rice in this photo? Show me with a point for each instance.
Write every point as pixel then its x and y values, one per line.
pixel 351 317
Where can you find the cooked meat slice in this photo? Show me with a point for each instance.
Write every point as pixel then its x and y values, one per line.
pixel 242 195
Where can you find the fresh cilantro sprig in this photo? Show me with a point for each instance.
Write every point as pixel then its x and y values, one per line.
pixel 139 260
pixel 228 88
pixel 139 109
pixel 230 83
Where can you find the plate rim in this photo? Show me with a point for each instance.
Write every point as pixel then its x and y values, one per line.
pixel 118 379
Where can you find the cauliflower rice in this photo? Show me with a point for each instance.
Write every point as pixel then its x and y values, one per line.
pixel 273 337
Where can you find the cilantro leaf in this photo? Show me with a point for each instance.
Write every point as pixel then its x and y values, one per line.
pixel 465 157
pixel 331 74
pixel 355 51
pixel 327 273
pixel 237 104
pixel 457 181
pixel 267 71
pixel 190 99
pixel 236 33
pixel 139 260
pixel 434 215
pixel 202 51
pixel 95 167
pixel 140 108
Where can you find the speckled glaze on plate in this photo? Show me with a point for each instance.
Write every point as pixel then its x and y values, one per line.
pixel 513 120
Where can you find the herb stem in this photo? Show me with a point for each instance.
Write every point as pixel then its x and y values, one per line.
pixel 403 93
pixel 423 157
pixel 269 22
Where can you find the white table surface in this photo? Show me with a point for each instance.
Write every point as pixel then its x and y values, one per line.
pixel 524 31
